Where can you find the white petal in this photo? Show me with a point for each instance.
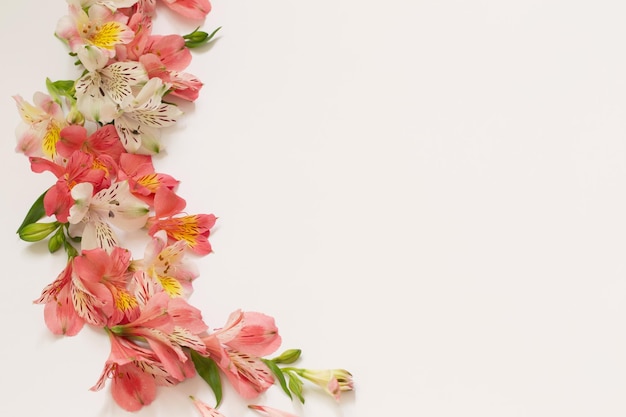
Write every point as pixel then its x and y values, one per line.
pixel 120 207
pixel 120 77
pixel 98 234
pixel 82 194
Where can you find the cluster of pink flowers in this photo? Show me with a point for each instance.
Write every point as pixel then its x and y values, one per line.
pixel 97 135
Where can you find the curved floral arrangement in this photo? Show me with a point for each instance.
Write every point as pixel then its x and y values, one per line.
pixel 97 135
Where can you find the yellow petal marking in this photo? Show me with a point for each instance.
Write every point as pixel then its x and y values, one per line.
pixel 50 139
pixel 124 301
pixel 107 35
pixel 151 182
pixel 171 286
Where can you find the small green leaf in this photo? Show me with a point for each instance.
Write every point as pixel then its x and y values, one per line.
pixel 295 385
pixel 208 370
pixel 288 356
pixel 61 88
pixel 35 213
pixel 35 232
pixel 198 38
pixel 278 373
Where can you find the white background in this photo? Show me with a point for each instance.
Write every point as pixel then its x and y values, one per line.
pixel 430 194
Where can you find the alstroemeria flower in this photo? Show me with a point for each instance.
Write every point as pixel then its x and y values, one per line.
pixel 192 9
pixel 91 302
pixel 144 182
pixel 270 412
pixel 115 205
pixel 93 34
pixel 167 331
pixel 333 381
pixel 193 229
pixel 112 5
pixel 42 122
pixel 167 265
pixel 98 267
pixel 250 332
pixel 139 123
pixel 245 370
pixel 131 387
pixel 80 168
pixel 102 93
pixel 60 315
pixel 103 142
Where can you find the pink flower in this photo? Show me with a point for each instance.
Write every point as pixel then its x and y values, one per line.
pixel 245 370
pixel 93 34
pixel 166 329
pixel 41 125
pixel 60 315
pixel 98 268
pixel 271 412
pixel 132 387
pixel 167 266
pixel 250 332
pixel 192 9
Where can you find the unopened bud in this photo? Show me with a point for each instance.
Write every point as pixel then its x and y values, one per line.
pixel 288 356
pixel 35 232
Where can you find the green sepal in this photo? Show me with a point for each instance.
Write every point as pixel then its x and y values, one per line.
pixel 295 385
pixel 198 38
pixel 278 373
pixel 58 89
pixel 288 356
pixel 56 241
pixel 35 213
pixel 208 370
pixel 35 232
pixel 70 250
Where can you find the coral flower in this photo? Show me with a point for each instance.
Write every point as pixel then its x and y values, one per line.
pixel 193 229
pixel 103 142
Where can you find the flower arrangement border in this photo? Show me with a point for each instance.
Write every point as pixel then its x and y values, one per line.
pixel 97 135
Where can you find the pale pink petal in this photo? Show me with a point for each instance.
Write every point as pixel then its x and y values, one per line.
pixel 205 410
pixel 271 412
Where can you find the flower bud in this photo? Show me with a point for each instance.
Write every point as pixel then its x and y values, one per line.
pixel 288 356
pixel 333 381
pixel 56 241
pixel 35 232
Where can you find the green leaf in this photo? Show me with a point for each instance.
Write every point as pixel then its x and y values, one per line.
pixel 295 385
pixel 35 232
pixel 208 370
pixel 58 89
pixel 198 38
pixel 35 213
pixel 279 375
